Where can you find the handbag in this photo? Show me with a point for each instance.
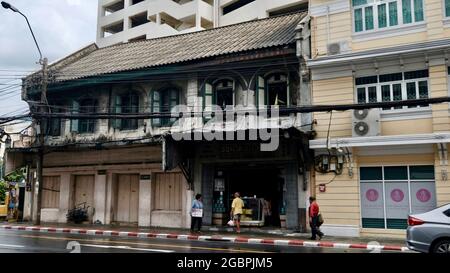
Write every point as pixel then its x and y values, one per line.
pixel 320 220
pixel 231 223
pixel 198 213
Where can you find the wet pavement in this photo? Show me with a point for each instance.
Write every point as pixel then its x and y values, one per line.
pixel 37 242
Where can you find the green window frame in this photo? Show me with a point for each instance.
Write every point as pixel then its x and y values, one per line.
pixel 127 103
pixel 380 14
pixel 393 14
pixel 368 14
pixel 407 11
pixel 224 89
pixel 358 14
pixel 87 106
pixel 447 8
pixel 418 11
pixel 208 99
pixel 272 82
pixel 54 124
pixel 163 101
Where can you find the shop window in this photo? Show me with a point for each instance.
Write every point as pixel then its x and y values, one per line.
pixel 163 101
pixel 369 15
pixel 84 106
pixel 410 85
pixel 389 194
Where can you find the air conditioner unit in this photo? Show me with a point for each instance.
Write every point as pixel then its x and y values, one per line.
pixel 366 123
pixel 338 48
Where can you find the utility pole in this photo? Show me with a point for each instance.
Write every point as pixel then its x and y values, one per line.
pixel 41 149
pixel 40 121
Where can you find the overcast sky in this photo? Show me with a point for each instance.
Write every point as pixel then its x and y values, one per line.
pixel 61 27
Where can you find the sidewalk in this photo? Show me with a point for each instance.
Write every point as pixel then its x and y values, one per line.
pixel 246 237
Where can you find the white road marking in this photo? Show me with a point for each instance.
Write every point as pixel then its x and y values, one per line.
pixel 129 248
pixel 11 246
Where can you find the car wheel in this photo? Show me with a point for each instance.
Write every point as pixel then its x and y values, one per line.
pixel 442 247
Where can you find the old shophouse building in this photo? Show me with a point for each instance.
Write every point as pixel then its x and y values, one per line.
pixel 133 171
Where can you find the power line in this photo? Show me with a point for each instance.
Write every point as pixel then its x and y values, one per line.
pixel 281 111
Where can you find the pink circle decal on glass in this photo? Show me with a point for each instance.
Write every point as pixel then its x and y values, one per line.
pixel 372 195
pixel 423 195
pixel 397 195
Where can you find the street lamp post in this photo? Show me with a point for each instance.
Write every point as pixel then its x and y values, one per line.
pixel 40 156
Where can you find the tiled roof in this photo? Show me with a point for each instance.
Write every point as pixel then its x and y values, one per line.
pixel 257 34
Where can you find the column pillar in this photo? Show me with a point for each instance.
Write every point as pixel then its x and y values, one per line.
pixel 64 197
pixel 100 197
pixel 145 199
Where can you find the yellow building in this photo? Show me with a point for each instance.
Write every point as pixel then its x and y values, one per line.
pixel 385 163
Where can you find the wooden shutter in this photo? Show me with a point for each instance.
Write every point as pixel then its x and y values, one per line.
pixel 156 107
pixel 207 100
pixel 260 92
pixel 74 123
pixel 117 123
pixel 174 101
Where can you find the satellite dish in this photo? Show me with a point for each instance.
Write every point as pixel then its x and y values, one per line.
pixel 361 114
pixel 361 128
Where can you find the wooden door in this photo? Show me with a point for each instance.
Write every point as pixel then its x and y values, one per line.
pixel 127 198
pixel 168 191
pixel 84 190
pixel 50 192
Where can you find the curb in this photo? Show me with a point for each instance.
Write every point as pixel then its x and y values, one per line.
pixel 241 240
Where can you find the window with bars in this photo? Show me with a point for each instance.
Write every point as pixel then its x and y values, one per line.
pixel 380 14
pixel 393 87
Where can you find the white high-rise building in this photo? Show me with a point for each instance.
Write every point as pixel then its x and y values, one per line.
pixel 129 20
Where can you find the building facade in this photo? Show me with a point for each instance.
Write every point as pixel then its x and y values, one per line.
pixel 375 167
pixel 122 21
pixel 137 170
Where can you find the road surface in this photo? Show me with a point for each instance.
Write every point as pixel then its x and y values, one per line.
pixel 36 242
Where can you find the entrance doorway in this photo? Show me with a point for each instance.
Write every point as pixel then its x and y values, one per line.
pixel 260 187
pixel 127 198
